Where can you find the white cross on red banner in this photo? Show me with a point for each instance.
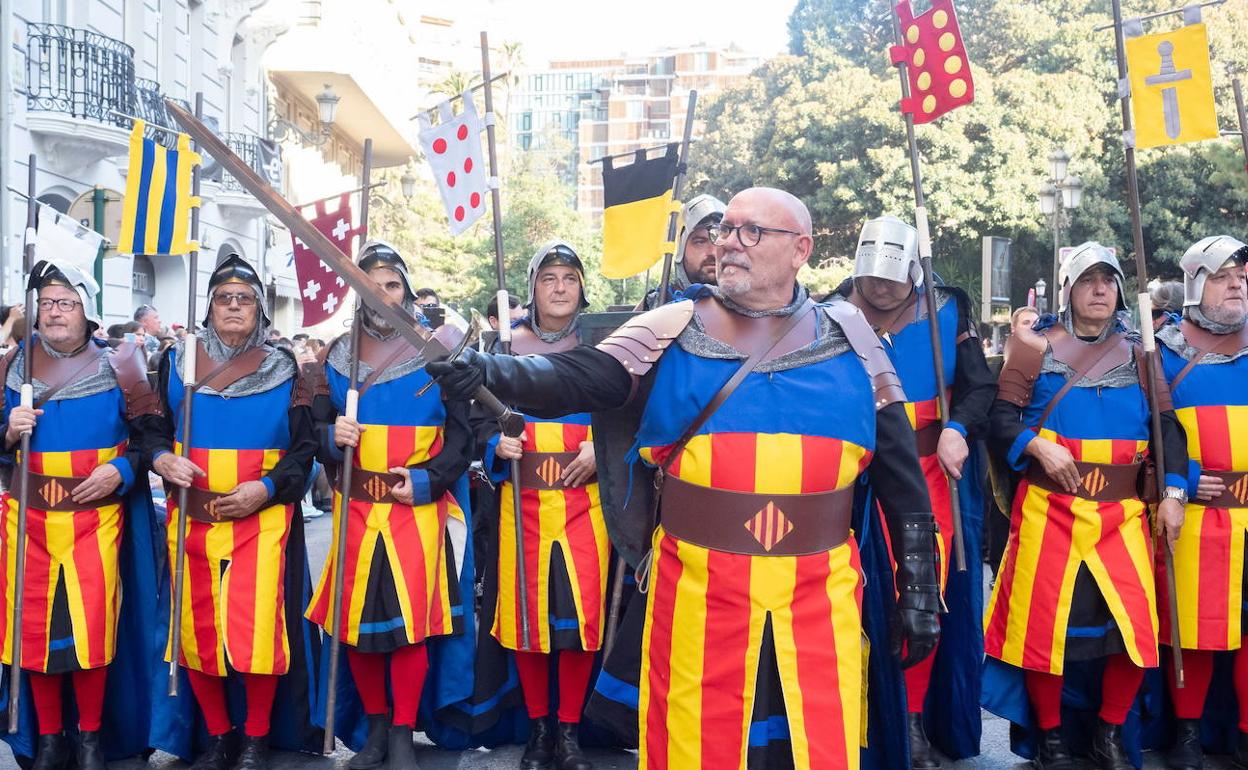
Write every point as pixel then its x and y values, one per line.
pixel 321 296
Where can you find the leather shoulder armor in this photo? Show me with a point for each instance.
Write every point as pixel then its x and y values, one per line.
pixel 130 367
pixel 640 342
pixel 867 346
pixel 5 364
pixel 1020 370
pixel 303 383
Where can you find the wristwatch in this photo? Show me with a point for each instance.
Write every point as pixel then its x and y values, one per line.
pixel 1175 493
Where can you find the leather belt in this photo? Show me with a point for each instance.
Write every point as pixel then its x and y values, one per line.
pixel 201 505
pixel 927 439
pixel 544 470
pixel 371 486
pixel 754 524
pixel 1236 493
pixel 1100 482
pixel 54 493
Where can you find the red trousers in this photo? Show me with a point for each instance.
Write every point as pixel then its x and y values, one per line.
pixel 408 665
pixel 1119 684
pixel 209 691
pixel 88 693
pixel 575 666
pixel 1189 702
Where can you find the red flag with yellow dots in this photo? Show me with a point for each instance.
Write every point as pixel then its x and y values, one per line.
pixel 936 62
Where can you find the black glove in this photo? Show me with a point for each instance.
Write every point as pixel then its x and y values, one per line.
pixel 458 378
pixel 916 628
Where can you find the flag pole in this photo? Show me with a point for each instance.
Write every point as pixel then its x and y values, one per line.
pixel 677 187
pixel 190 348
pixel 1238 86
pixel 929 283
pixel 23 488
pixel 504 330
pixel 344 475
pixel 1146 329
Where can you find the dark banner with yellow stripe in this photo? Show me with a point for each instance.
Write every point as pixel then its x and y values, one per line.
pixel 637 204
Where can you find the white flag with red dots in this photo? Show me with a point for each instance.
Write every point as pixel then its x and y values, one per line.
pixel 453 148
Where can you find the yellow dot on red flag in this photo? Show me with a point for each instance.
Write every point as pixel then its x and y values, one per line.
pixel 940 19
pixel 912 34
pixel 929 103
pixel 924 81
pixel 946 41
pixel 953 64
pixel 920 57
pixel 957 89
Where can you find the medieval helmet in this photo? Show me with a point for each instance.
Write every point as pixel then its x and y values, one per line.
pixel 235 269
pixel 48 273
pixel 1205 258
pixel 1084 257
pixel 381 254
pixel 695 213
pixel 888 248
pixel 555 252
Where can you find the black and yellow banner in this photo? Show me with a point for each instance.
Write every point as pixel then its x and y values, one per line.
pixel 637 205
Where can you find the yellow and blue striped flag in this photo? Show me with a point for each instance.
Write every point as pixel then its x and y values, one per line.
pixel 156 210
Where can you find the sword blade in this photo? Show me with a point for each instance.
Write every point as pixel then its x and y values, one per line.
pixel 1170 109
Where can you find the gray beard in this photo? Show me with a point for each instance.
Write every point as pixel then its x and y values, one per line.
pixel 1214 321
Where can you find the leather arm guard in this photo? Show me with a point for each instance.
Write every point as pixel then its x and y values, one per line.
pixel 916 629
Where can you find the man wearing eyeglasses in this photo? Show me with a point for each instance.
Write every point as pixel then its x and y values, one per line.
pixel 887 286
pixel 251 448
pixel 694 261
pixel 752 582
pixel 86 598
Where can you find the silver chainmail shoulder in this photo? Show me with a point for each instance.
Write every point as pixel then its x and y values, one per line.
pixel 339 359
pixel 101 380
pixel 1172 337
pixel 829 342
pixel 1122 376
pixel 277 368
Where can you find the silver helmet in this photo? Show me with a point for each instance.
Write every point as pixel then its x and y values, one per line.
pixel 1085 257
pixel 48 272
pixel 694 213
pixel 375 254
pixel 554 252
pixel 888 248
pixel 1205 258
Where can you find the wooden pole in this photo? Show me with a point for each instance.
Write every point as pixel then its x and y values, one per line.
pixel 1238 86
pixel 1151 356
pixel 929 283
pixel 190 347
pixel 677 187
pixel 23 483
pixel 344 475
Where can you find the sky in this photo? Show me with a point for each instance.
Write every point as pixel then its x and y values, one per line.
pixel 561 29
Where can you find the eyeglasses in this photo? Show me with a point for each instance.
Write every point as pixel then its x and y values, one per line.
pixel 224 299
pixel 748 235
pixel 63 305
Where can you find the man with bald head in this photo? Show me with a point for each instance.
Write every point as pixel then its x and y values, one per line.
pixel 752 581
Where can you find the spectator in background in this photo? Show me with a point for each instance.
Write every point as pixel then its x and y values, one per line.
pixel 147 317
pixel 1167 302
pixel 12 325
pixel 513 303
pixel 427 297
pixel 1021 321
pixel 179 331
pixel 315 345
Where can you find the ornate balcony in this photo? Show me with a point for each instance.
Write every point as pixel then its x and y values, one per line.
pixel 264 157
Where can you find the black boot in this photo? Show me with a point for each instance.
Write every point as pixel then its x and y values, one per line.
pixel 1187 753
pixel 1107 751
pixel 1053 754
pixel 52 753
pixel 1239 760
pixel 90 756
pixel 221 753
pixel 400 754
pixel 540 750
pixel 568 754
pixel 255 753
pixel 922 755
pixel 374 752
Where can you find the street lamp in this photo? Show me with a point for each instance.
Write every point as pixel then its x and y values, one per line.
pixel 1059 194
pixel 1040 298
pixel 408 182
pixel 327 107
pixel 280 129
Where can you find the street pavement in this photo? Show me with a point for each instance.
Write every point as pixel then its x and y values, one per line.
pixel 995 750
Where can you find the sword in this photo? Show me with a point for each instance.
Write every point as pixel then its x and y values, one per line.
pixel 1168 77
pixel 424 341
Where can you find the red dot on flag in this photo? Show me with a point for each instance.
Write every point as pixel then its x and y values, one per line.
pixel 439 146
pixel 462 133
pixel 467 165
pixel 475 199
pixel 459 213
pixel 450 179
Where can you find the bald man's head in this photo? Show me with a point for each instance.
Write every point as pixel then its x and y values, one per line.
pixel 785 205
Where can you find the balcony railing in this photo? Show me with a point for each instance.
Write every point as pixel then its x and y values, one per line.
pixel 263 158
pixel 79 73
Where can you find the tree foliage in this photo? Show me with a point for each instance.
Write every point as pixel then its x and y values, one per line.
pixel 822 123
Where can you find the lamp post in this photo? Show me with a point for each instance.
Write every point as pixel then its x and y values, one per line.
pixel 326 110
pixel 1041 300
pixel 1057 195
pixel 407 182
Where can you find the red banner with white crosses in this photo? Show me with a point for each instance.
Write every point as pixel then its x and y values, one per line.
pixel 936 62
pixel 321 289
pixel 453 149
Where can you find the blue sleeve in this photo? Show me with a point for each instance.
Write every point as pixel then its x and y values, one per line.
pixel 421 493
pixel 1015 454
pixel 333 450
pixel 1193 478
pixel 959 427
pixel 127 474
pixel 269 485
pixel 1177 480
pixel 494 465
